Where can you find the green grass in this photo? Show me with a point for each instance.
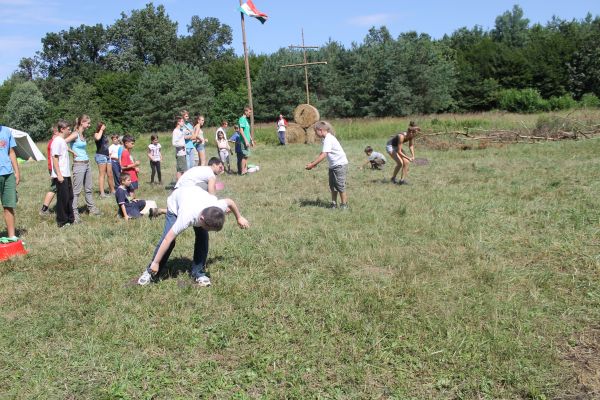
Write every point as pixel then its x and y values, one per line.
pixel 469 283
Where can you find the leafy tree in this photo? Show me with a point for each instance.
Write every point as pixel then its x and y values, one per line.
pixel 228 105
pixel 114 90
pixel 163 91
pixel 208 41
pixel 584 68
pixel 146 37
pixel 511 28
pixel 67 53
pixel 26 110
pixel 83 99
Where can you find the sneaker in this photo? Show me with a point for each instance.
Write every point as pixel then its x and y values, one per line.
pixel 344 207
pixel 145 279
pixel 393 180
pixel 332 205
pixel 44 213
pixel 403 182
pixel 202 281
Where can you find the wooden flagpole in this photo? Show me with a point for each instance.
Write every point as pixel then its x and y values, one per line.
pixel 248 82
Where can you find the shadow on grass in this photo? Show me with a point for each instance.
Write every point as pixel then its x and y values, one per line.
pixel 182 266
pixel 313 203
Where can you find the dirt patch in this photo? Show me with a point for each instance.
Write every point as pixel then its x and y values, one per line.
pixel 583 354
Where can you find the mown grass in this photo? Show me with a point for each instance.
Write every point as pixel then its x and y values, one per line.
pixel 468 283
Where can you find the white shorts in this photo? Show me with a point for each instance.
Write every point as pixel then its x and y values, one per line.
pixel 391 149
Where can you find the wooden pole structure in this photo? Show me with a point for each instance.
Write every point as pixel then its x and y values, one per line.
pixel 305 64
pixel 248 82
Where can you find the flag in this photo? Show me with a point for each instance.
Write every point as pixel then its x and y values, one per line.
pixel 250 10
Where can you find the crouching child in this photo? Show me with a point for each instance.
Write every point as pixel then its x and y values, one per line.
pixel 129 206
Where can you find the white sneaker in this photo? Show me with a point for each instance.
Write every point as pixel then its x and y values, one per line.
pixel 202 281
pixel 145 279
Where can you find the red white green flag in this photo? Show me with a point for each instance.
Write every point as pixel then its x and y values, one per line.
pixel 250 10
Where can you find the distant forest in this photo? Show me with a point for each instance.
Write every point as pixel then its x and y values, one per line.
pixel 137 73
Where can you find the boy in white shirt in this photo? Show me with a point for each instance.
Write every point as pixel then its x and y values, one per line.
pixel 190 206
pixel 203 176
pixel 61 174
pixel 179 144
pixel 338 163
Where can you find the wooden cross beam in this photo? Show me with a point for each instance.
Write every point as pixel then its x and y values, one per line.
pixel 305 64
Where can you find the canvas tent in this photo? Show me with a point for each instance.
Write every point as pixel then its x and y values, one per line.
pixel 26 148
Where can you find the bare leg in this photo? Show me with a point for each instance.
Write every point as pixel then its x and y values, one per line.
pixel 9 218
pixel 405 164
pixel 398 160
pixel 334 196
pixel 101 174
pixel 111 180
pixel 344 198
pixel 202 157
pixel 48 199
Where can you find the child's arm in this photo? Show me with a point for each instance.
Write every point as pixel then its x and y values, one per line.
pixel 15 164
pixel 71 137
pixel 241 221
pixel 56 168
pixel 211 186
pixel 313 164
pixel 149 154
pixel 124 211
pixel 98 134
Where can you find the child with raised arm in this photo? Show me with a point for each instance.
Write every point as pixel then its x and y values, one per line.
pixel 155 157
pixel 190 206
pixel 338 163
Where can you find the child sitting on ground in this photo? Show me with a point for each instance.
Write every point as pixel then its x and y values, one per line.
pixel 377 160
pixel 129 206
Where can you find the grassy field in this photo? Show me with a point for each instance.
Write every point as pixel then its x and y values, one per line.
pixel 480 280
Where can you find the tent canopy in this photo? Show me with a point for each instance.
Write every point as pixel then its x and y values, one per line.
pixel 26 147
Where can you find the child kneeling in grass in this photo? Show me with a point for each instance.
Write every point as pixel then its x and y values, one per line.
pixel 129 206
pixel 190 206
pixel 338 163
pixel 377 160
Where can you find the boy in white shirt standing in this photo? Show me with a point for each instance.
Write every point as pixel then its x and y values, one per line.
pixel 338 163
pixel 179 144
pixel 61 174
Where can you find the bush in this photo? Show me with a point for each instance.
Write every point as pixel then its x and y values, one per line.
pixel 26 110
pixel 590 100
pixel 565 102
pixel 522 101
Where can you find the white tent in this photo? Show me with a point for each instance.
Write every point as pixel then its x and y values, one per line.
pixel 26 147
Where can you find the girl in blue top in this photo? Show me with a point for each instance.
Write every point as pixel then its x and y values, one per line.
pixel 82 173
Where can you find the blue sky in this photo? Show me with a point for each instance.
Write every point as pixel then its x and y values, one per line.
pixel 23 23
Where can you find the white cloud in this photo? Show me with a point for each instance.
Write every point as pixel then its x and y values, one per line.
pixel 372 20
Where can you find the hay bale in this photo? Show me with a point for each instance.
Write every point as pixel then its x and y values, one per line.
pixel 311 137
pixel 306 115
pixel 295 133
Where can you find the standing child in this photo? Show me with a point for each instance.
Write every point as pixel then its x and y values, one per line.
pixel 155 157
pixel 103 160
pixel 224 148
pixel 338 163
pixel 199 140
pixel 246 138
pixel 237 139
pixel 179 144
pixel 9 178
pixel 394 149
pixel 61 174
pixel 128 164
pixel 52 192
pixel 114 152
pixel 281 125
pixel 222 128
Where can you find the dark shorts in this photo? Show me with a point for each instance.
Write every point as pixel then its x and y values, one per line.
pixel 8 190
pixel 181 163
pixel 337 178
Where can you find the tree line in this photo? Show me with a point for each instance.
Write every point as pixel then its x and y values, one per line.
pixel 137 73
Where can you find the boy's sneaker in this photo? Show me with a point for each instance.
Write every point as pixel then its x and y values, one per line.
pixel 393 180
pixel 332 205
pixel 145 279
pixel 202 281
pixel 344 207
pixel 44 213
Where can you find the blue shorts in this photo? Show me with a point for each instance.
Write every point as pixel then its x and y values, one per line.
pixel 101 159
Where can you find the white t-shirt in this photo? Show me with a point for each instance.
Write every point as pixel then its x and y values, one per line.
pixel 375 155
pixel 113 151
pixel 187 203
pixel 281 125
pixel 59 148
pixel 335 154
pixel 154 151
pixel 179 141
pixel 195 176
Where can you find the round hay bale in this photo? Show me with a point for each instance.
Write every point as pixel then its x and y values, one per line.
pixel 305 115
pixel 311 137
pixel 295 133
